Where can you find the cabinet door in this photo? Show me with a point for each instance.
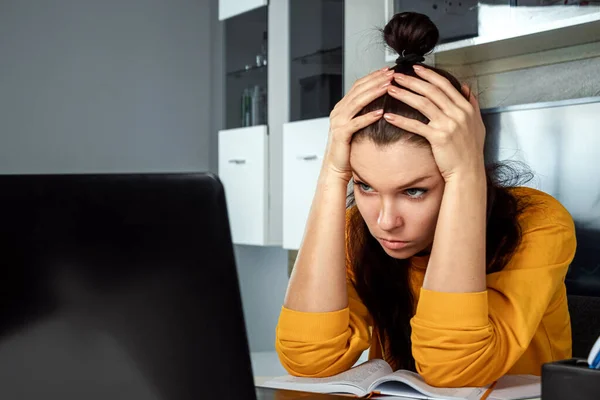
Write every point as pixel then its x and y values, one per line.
pixel 245 50
pixel 316 42
pixel 231 8
pixel 243 169
pixel 304 145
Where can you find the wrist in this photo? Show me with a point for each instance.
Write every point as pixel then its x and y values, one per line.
pixel 475 174
pixel 331 176
pixel 468 179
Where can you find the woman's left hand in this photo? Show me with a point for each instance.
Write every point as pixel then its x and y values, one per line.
pixel 455 129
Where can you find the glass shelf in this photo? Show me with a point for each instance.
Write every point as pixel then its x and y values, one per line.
pixel 325 56
pixel 249 70
pixel 246 69
pixel 316 57
pixel 455 20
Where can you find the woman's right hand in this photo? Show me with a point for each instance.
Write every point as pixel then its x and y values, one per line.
pixel 343 123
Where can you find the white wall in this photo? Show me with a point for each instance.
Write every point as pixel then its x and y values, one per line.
pixel 364 49
pixel 105 86
pixel 263 279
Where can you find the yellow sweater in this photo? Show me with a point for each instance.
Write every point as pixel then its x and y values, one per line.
pixel 459 339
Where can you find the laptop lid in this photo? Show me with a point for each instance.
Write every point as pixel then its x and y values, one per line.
pixel 119 286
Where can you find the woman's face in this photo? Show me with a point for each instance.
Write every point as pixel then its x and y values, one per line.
pixel 398 190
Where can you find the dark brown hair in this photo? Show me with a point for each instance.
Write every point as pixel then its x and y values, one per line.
pixel 381 281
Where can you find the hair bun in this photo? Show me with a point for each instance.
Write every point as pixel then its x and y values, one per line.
pixel 412 33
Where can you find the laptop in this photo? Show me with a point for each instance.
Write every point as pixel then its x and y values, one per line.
pixel 121 286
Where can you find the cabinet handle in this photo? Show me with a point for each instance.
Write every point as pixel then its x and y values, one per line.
pixel 237 161
pixel 307 158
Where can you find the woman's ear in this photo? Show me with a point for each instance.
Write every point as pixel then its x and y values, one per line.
pixel 466 91
pixel 471 98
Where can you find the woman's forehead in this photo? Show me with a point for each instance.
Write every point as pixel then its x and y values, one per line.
pixel 368 158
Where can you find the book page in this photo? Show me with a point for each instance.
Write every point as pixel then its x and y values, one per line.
pixel 359 377
pixel 396 384
pixel 513 387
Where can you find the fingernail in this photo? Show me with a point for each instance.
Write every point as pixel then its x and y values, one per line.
pixel 399 77
pixel 386 84
pixel 378 112
pixel 389 117
pixel 393 90
pixel 385 69
pixel 390 72
pixel 418 68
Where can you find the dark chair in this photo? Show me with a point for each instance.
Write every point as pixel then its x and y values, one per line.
pixel 583 292
pixel 585 323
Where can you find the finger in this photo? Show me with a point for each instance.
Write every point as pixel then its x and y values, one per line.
pixel 350 106
pixel 418 102
pixel 444 85
pixel 465 90
pixel 370 76
pixel 345 132
pixel 375 76
pixel 362 99
pixel 432 92
pixel 411 125
pixel 373 83
pixel 359 123
pixel 473 100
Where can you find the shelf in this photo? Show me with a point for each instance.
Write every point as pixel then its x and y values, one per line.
pixel 511 42
pixel 240 72
pixel 325 56
pixel 552 35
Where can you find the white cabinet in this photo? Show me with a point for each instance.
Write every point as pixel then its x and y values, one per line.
pixel 243 169
pixel 304 144
pixel 231 8
pixel 302 80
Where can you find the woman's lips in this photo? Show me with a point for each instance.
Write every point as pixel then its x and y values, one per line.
pixel 393 244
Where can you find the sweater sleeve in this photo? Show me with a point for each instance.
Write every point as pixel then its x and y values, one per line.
pixel 323 344
pixel 472 339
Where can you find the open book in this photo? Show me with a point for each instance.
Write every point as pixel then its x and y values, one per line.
pixel 376 376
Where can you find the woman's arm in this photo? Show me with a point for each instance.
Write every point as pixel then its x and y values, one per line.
pixel 313 344
pixel 472 339
pixel 318 281
pixel 457 261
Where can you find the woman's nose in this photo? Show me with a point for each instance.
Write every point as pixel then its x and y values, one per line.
pixel 389 218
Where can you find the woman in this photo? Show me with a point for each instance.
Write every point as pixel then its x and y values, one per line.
pixel 436 264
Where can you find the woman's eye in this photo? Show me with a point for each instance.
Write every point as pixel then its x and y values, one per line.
pixel 415 193
pixel 364 187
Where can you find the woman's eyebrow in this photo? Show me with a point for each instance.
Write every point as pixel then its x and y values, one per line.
pixel 414 182
pixel 403 186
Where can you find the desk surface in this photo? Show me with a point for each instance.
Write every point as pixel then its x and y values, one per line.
pixel 278 394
